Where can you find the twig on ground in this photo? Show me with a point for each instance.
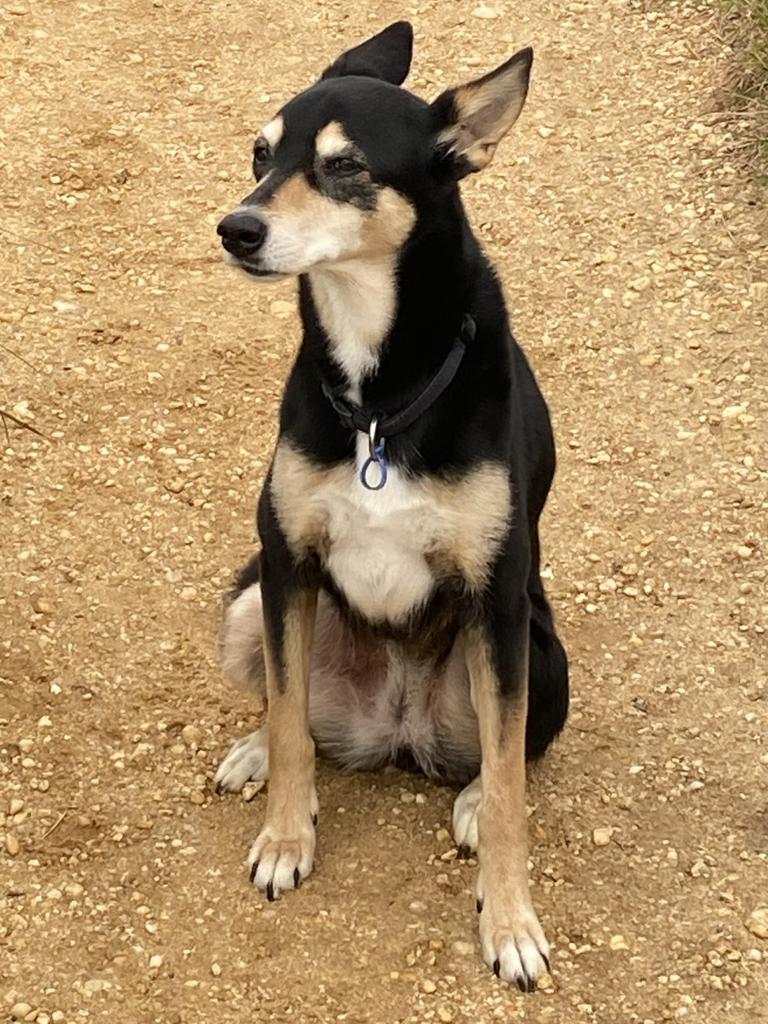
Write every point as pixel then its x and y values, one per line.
pixel 5 416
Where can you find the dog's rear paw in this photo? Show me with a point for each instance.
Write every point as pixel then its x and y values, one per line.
pixel 514 946
pixel 278 863
pixel 465 810
pixel 247 760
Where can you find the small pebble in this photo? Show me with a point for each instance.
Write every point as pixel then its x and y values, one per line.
pixel 191 735
pixel 250 789
pixel 281 308
pixel 94 985
pixel 15 805
pixel 463 948
pixel 730 412
pixel 428 986
pixel 485 12
pixel 602 836
pixel 20 1010
pixel 11 845
pixel 757 922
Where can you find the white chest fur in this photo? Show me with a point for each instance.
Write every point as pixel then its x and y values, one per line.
pixel 383 548
pixel 378 540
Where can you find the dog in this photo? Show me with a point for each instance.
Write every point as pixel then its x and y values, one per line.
pixel 395 612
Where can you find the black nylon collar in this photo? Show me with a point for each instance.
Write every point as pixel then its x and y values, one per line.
pixel 356 417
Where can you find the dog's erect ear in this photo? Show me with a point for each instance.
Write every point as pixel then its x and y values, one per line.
pixel 386 56
pixel 474 118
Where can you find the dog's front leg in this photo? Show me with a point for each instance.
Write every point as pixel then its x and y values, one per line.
pixel 512 940
pixel 282 854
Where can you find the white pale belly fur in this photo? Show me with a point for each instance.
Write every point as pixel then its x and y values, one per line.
pixel 368 699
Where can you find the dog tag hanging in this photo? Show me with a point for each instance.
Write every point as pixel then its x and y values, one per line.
pixel 375 456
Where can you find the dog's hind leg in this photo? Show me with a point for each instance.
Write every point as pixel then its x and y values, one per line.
pixel 466 808
pixel 246 761
pixel 241 640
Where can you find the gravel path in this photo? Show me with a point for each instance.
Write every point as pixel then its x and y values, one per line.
pixel 634 260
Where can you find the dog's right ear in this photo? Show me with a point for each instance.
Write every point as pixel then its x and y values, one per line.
pixel 386 56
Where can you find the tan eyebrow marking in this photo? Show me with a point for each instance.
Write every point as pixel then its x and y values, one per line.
pixel 331 139
pixel 273 131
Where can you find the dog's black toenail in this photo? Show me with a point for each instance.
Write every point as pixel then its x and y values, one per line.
pixel 464 852
pixel 296 878
pixel 479 906
pixel 531 987
pixel 270 892
pixel 545 958
pixel 217 789
pixel 254 869
pixel 314 819
pixel 497 968
pixel 521 984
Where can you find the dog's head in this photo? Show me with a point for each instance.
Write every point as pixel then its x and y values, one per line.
pixel 344 169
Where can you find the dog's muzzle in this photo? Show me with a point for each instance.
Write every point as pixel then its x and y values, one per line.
pixel 242 234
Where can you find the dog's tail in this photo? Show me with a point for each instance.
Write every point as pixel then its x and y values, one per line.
pixel 547 680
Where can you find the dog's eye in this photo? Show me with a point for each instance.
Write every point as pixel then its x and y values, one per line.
pixel 343 165
pixel 261 153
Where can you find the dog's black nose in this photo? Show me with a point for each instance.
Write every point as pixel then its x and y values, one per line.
pixel 242 233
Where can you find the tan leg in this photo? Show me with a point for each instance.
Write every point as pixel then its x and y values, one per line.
pixel 512 940
pixel 282 855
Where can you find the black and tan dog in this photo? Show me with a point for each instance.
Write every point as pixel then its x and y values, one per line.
pixel 397 593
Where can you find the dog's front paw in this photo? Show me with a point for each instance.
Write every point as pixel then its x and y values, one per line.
pixel 279 861
pixel 513 942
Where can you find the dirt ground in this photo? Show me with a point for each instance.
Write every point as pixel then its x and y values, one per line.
pixel 634 261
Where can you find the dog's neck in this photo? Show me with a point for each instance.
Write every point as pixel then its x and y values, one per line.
pixel 414 303
pixel 356 302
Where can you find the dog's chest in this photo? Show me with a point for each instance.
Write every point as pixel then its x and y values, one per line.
pixel 377 542
pixel 386 549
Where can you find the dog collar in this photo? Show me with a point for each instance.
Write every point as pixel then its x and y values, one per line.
pixel 378 427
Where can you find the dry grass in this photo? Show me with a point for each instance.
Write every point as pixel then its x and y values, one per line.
pixel 745 27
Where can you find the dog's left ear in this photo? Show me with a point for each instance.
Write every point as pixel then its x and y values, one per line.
pixel 473 119
pixel 386 56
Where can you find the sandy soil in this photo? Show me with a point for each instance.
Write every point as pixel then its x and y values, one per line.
pixel 633 258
